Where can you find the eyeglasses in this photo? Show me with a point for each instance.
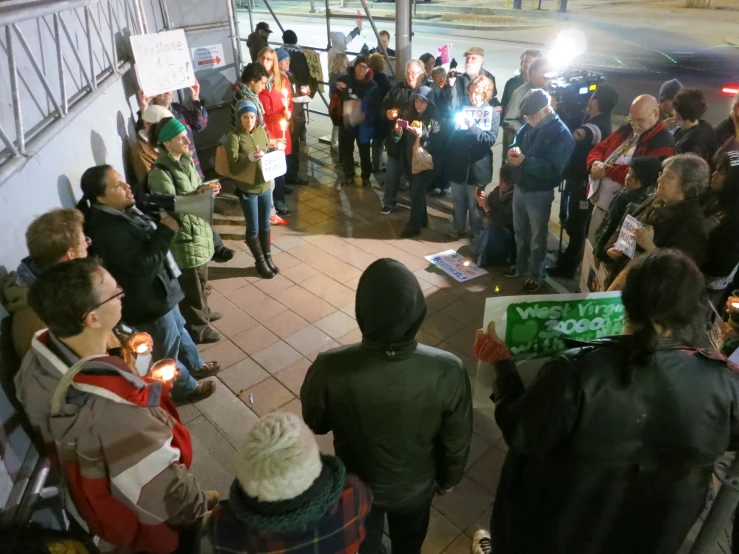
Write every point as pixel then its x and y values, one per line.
pixel 118 294
pixel 414 75
pixel 361 66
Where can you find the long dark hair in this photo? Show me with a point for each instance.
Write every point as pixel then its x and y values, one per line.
pixel 92 184
pixel 665 288
pixel 728 196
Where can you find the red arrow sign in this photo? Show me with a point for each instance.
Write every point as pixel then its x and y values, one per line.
pixel 214 61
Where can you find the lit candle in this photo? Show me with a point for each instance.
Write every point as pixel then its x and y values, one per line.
pixel 283 126
pixel 305 90
pixel 735 305
pixel 394 113
pixel 165 371
pixel 140 344
pixel 284 97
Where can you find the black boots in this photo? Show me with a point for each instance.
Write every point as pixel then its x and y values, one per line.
pixel 259 259
pixel 266 248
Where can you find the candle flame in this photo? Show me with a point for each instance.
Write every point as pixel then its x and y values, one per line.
pixel 497 288
pixel 283 124
pixel 164 371
pixel 140 343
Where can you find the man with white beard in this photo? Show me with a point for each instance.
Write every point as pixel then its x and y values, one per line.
pixel 457 85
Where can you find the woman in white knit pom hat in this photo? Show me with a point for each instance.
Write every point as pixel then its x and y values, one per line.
pixel 288 497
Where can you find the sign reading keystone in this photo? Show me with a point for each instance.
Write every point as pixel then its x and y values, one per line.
pixel 208 57
pixel 535 326
pixel 162 62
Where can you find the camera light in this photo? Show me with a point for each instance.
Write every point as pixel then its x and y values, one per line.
pixel 583 90
pixel 460 118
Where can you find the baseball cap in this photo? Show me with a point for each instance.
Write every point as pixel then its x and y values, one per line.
pixel 264 26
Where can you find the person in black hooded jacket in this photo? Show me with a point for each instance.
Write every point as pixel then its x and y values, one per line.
pixel 400 412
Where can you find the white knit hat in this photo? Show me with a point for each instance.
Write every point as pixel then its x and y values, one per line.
pixel 279 459
pixel 154 113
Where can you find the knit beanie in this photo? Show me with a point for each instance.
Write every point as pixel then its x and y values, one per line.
pixel 154 113
pixel 282 54
pixel 289 37
pixel 535 100
pixel 279 459
pixel 246 106
pixel 669 89
pixel 170 130
pixel 646 169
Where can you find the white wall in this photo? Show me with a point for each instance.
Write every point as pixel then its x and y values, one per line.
pixel 51 176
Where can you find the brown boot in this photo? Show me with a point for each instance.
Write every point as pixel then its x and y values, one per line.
pixel 208 370
pixel 201 392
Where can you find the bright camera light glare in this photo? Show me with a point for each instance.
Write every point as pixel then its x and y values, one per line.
pixel 568 45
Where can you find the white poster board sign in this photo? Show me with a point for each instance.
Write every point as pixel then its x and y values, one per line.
pixel 483 117
pixel 208 57
pixel 626 242
pixel 274 164
pixel 162 62
pixel 592 278
pixel 455 265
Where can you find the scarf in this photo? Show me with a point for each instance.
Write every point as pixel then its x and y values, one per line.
pixel 296 513
pixel 249 94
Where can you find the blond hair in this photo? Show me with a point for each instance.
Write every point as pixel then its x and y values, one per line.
pixel 274 73
pixel 377 62
pixel 485 83
pixel 339 63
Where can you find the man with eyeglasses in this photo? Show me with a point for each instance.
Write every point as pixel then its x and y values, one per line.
pixel 397 105
pixel 53 237
pixel 608 161
pixel 117 436
pixel 540 153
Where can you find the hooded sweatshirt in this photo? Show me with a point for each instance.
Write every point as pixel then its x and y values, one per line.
pixel 400 412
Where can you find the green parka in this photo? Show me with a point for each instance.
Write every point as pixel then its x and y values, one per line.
pixel 239 145
pixel 193 244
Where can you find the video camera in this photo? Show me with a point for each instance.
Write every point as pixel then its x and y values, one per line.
pixel 573 89
pixel 199 205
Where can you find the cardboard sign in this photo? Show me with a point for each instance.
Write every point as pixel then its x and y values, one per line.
pixel 592 279
pixel 626 242
pixel 446 53
pixel 483 117
pixel 534 326
pixel 208 57
pixel 455 265
pixel 162 62
pixel 274 164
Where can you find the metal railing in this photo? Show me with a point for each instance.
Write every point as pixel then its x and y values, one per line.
pixel 74 46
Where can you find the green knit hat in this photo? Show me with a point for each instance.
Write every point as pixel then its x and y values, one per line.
pixel 170 130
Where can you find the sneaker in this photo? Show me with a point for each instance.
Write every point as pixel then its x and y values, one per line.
pixel 511 272
pixel 481 543
pixel 386 210
pixel 531 286
pixel 454 234
pixel 209 369
pixel 277 220
pixel 410 232
pixel 435 192
pixel 222 254
pixel 210 335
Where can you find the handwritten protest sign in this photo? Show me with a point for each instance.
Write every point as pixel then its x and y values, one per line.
pixel 445 52
pixel 535 326
pixel 483 117
pixel 162 62
pixel 455 265
pixel 273 164
pixel 592 279
pixel 626 242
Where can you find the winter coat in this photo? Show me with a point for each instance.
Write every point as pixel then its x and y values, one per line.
pixel 469 156
pixel 722 253
pixel 369 93
pixel 327 518
pixel 398 98
pixel 500 206
pixel 300 69
pixel 457 96
pixel 657 142
pixel 547 148
pixel 400 412
pixel 274 113
pixel 242 92
pixel 599 466
pixel 586 136
pixel 14 296
pixel 239 145
pixel 699 139
pixel 143 156
pixel 510 87
pixel 433 138
pixel 513 118
pixel 137 255
pixel 255 42
pixel 382 124
pixel 193 244
pixel 725 131
pixel 625 202
pixel 120 441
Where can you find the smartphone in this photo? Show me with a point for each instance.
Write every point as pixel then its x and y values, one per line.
pixel 402 123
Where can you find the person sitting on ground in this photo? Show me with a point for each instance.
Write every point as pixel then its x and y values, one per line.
pixel 428 60
pixel 121 444
pixel 456 93
pixel 721 208
pixel 143 153
pixel 174 174
pixel 540 154
pixel 496 245
pixel 727 132
pixel 469 164
pixel 412 403
pixel 51 238
pixel 135 250
pixel 667 93
pixel 671 218
pixel 246 144
pixel 358 87
pixel 693 134
pixel 589 441
pixel 640 182
pixel 287 496
pixel 382 125
pixel 258 40
pixel 521 77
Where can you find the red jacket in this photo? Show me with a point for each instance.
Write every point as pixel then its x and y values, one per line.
pixel 274 106
pixel 655 142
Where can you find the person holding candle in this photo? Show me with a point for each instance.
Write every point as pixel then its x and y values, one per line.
pixel 278 106
pixel 246 144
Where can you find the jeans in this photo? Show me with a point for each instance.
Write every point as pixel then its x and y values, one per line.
pixel 419 183
pixel 217 241
pixel 378 146
pixel 531 211
pixel 171 340
pixel 278 194
pixel 256 208
pixel 407 529
pixel 575 212
pixel 347 137
pixel 494 246
pixel 464 200
pixel 392 182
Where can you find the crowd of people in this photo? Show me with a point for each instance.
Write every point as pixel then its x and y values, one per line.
pixel 611 449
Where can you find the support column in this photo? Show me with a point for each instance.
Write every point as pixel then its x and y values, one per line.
pixel 402 36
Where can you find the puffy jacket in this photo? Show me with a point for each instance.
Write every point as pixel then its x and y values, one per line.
pixel 239 145
pixel 14 296
pixel 699 139
pixel 193 244
pixel 120 442
pixel 274 112
pixel 369 93
pixel 599 466
pixel 136 254
pixel 469 156
pixel 400 412
pixel 547 148
pixel 398 98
